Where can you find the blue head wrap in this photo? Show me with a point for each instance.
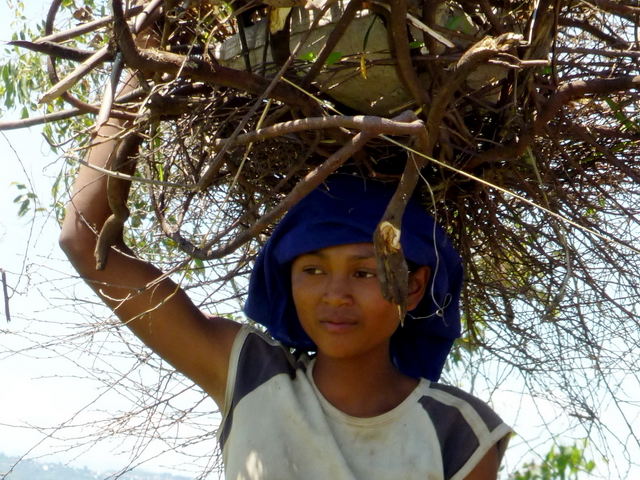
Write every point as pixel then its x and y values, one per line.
pixel 347 209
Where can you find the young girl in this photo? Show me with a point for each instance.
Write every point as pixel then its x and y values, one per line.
pixel 365 404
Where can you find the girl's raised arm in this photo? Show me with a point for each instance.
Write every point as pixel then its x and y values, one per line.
pixel 156 309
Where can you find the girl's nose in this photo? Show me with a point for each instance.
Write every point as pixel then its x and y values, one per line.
pixel 337 291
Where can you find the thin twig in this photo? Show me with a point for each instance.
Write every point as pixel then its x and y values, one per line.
pixel 5 291
pixel 86 27
pixel 131 178
pixel 40 119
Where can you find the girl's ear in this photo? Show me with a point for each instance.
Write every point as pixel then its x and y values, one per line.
pixel 418 281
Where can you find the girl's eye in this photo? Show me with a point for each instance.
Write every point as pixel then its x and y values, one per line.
pixel 312 270
pixel 365 274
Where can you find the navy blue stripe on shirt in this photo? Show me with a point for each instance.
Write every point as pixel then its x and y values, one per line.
pixel 457 439
pixel 488 416
pixel 258 362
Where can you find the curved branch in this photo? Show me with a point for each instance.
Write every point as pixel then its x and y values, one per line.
pixel 579 89
pixel 376 125
pixel 53 74
pixel 117 194
pixel 311 181
pixel 477 54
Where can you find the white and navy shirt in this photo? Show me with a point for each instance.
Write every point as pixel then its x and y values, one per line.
pixel 277 426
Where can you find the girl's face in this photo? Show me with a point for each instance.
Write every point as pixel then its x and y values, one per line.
pixel 339 302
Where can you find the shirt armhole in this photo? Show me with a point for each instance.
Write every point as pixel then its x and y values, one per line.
pixel 236 349
pixel 499 437
pixel 485 425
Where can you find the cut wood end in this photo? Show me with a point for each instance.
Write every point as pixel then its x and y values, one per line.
pixel 49 96
pixel 390 235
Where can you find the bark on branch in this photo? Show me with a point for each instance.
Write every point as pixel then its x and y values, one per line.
pixel 580 89
pixel 376 125
pixel 56 50
pixel 392 266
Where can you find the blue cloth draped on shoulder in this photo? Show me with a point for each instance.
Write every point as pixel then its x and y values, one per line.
pixel 347 209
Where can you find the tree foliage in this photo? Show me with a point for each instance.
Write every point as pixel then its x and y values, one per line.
pixel 521 117
pixel 563 462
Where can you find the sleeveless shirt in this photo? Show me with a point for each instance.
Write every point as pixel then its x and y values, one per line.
pixel 277 425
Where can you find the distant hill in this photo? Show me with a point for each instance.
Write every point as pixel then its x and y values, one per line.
pixel 35 470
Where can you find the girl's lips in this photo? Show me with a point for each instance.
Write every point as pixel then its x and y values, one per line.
pixel 337 326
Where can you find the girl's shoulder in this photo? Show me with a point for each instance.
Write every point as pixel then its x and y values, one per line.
pixel 255 345
pixel 256 358
pixel 447 398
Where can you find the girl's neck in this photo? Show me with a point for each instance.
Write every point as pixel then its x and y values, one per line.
pixel 362 387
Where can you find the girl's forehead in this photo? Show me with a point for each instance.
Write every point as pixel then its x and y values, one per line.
pixel 360 250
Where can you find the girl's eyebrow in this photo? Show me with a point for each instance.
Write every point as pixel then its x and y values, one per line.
pixel 312 253
pixel 364 257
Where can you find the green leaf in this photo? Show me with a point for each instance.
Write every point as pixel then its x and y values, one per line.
pixel 619 114
pixel 416 44
pixel 24 208
pixel 366 35
pixel 334 57
pixel 459 23
pixel 308 57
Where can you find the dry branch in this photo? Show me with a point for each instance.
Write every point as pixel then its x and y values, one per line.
pixel 371 124
pixel 580 89
pixel 39 120
pixel 401 48
pixel 392 266
pixel 311 181
pixel 117 194
pixel 85 28
pixel 55 50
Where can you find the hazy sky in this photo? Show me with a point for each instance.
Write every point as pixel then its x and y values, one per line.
pixel 42 388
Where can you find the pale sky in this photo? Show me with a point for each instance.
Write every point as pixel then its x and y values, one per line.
pixel 41 391
pixel 42 388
